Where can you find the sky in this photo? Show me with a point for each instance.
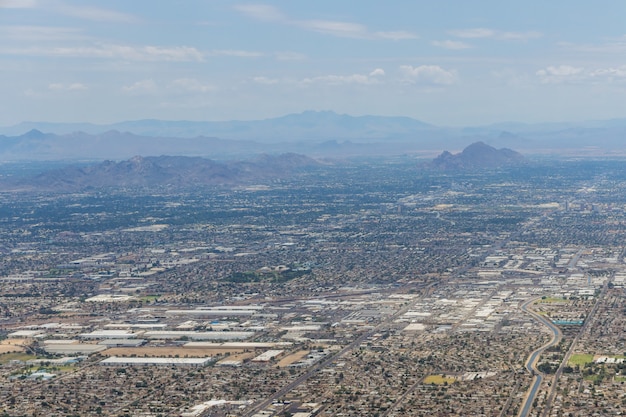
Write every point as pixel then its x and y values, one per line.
pixel 449 63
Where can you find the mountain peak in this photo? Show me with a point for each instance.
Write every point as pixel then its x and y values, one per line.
pixel 477 155
pixel 34 134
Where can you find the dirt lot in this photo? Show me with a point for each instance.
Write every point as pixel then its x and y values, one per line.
pixel 240 357
pixel 294 357
pixel 12 345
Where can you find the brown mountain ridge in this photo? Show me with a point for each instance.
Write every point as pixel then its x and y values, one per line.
pixel 476 156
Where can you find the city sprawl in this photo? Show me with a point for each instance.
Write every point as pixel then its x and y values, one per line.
pixel 369 288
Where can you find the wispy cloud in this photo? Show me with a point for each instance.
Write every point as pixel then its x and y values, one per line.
pixel 192 85
pixel 18 4
pixel 329 27
pixel 289 56
pixel 428 74
pixel 335 28
pixel 94 13
pixel 80 12
pixel 236 53
pixel 485 33
pixel 560 74
pixel 261 12
pixel 453 45
pixel 40 33
pixel 610 46
pixel 67 87
pixel 473 33
pixel 141 87
pixel 124 52
pixel 265 80
pixel 374 77
pixel 566 74
pixel 395 35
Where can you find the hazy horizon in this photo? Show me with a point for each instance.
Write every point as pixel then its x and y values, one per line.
pixel 445 63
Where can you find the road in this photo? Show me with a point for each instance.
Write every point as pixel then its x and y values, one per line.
pixel 559 371
pixel 531 363
pixel 326 362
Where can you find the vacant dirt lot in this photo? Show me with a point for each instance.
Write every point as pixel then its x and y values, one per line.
pixel 294 357
pixel 12 345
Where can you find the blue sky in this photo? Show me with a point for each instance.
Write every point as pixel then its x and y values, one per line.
pixel 445 62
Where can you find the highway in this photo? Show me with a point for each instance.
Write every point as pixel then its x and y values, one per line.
pixel 531 363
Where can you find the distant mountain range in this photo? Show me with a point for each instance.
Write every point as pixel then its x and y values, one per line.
pixel 306 126
pixel 177 172
pixel 311 133
pixel 477 156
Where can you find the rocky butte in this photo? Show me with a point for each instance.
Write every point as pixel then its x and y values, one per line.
pixel 477 155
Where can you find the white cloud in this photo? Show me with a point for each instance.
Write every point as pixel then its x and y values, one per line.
pixel 178 53
pixel 428 74
pixel 484 33
pixel 329 27
pixel 560 74
pixel 141 87
pixel 80 12
pixel 77 87
pixel 335 28
pixel 454 45
pixel 612 46
pixel 192 85
pixel 125 52
pixel 93 13
pixel 569 74
pixel 473 33
pixel 18 4
pixel 519 36
pixel 397 35
pixel 68 87
pixel 339 79
pixel 290 56
pixel 261 12
pixel 265 80
pixel 610 74
pixel 350 30
pixel 40 33
pixel 236 53
pixel 362 79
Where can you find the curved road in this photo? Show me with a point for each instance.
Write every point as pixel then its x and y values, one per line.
pixel 531 363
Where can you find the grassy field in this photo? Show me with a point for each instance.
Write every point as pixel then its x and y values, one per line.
pixel 580 359
pixel 439 379
pixel 17 356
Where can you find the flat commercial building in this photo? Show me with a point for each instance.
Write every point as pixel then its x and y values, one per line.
pixel 267 356
pixel 122 342
pixel 73 348
pixel 108 334
pixel 174 334
pixel 132 361
pixel 222 312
